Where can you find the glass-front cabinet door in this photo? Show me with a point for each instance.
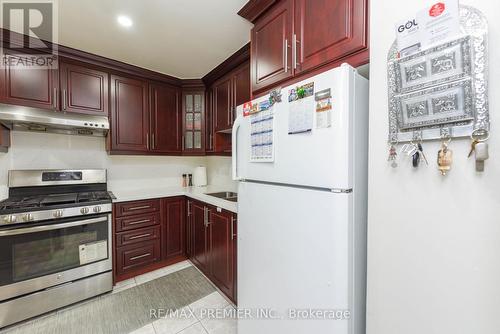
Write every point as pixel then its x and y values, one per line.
pixel 193 134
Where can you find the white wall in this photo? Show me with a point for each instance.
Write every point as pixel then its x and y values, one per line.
pixel 40 151
pixel 433 241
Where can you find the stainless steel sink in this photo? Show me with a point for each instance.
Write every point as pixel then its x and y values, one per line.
pixel 227 195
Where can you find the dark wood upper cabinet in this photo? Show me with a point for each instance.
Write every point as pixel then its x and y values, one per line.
pixel 222 250
pixel 293 39
pixel 174 226
pixel 83 90
pixel 193 137
pixel 38 88
pixel 166 118
pixel 326 30
pixel 129 115
pixel 228 92
pixel 209 121
pixel 271 46
pixel 223 103
pixel 241 86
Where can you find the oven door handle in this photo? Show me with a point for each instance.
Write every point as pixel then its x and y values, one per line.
pixel 52 227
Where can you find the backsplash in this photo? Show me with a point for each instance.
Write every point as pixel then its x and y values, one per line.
pixel 47 151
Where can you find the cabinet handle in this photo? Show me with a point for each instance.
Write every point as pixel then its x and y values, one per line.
pixel 139 256
pixel 183 143
pixel 55 98
pixel 286 55
pixel 147 141
pixel 139 236
pixel 65 99
pixel 139 207
pixel 211 141
pixel 205 219
pixel 206 213
pixel 294 54
pixel 153 141
pixel 140 222
pixel 189 208
pixel 232 228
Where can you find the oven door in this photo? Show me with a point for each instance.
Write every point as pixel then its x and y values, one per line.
pixel 47 254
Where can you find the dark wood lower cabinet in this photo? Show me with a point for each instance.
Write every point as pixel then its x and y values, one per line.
pixel 199 236
pixel 212 242
pixel 148 235
pixel 174 227
pixel 222 251
pixel 151 234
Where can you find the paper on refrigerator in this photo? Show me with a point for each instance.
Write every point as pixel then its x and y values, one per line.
pixel 262 136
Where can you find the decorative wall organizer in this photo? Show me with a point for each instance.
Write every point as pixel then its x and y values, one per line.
pixel 441 93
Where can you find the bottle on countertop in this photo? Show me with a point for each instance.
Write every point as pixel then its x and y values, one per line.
pixel 184 180
pixel 190 179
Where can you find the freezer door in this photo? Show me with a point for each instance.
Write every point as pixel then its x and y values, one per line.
pixel 320 158
pixel 293 253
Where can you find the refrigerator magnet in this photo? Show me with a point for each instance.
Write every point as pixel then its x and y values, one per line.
pixel 323 109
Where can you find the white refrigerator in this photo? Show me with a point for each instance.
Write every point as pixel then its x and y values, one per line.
pixel 302 214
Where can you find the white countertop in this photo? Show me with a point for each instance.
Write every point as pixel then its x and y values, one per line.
pixel 197 193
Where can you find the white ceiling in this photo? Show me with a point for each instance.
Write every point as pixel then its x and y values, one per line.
pixel 183 38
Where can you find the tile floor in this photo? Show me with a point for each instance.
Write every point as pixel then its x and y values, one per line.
pixel 191 319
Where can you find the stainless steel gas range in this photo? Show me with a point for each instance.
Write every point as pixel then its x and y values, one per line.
pixel 55 241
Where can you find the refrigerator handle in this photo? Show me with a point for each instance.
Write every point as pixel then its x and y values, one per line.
pixel 234 158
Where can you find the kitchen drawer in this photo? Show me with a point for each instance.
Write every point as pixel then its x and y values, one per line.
pixel 137 236
pixel 135 222
pixel 133 257
pixel 136 208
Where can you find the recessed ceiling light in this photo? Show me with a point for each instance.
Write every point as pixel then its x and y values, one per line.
pixel 125 21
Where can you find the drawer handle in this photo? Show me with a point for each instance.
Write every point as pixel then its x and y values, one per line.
pixel 139 256
pixel 140 222
pixel 139 207
pixel 139 236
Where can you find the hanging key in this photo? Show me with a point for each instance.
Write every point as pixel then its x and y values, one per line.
pixel 415 159
pixel 445 158
pixel 480 148
pixel 393 155
pixel 472 147
pixel 482 154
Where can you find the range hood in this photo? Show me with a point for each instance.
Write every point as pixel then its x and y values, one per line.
pixel 38 120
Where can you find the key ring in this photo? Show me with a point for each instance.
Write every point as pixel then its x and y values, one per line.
pixel 478 133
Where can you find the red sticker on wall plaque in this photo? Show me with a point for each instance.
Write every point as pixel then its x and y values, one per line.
pixel 437 9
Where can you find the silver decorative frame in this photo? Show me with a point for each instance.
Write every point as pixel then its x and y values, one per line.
pixel 470 52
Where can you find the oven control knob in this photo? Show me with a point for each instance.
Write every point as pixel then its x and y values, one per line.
pixel 84 211
pixel 97 209
pixel 28 217
pixel 10 219
pixel 58 213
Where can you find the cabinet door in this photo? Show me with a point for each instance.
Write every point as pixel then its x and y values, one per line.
pixel 223 104
pixel 189 228
pixel 193 122
pixel 200 255
pixel 271 55
pixel 38 88
pixel 166 125
pixel 129 114
pixel 327 30
pixel 83 90
pixel 209 121
pixel 241 88
pixel 174 228
pixel 221 250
